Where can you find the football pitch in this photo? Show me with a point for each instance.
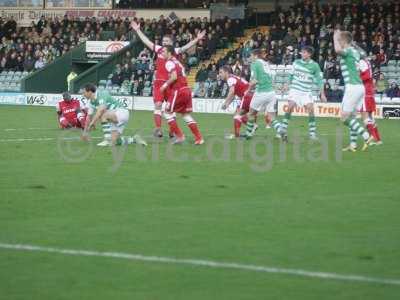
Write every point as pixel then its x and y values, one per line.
pixel 226 220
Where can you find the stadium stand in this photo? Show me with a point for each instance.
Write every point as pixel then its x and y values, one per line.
pixel 375 26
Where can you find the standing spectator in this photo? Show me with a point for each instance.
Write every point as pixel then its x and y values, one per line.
pixel 381 84
pixel 288 57
pixel 10 27
pixel 381 58
pixel 201 78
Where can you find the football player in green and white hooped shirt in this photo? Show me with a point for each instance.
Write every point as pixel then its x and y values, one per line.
pixel 111 113
pixel 306 73
pixel 264 98
pixel 354 89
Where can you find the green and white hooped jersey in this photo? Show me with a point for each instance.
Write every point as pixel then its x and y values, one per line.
pixel 103 97
pixel 304 75
pixel 349 64
pixel 262 73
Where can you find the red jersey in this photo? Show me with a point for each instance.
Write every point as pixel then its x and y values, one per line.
pixel 69 109
pixel 366 77
pixel 161 72
pixel 174 65
pixel 241 85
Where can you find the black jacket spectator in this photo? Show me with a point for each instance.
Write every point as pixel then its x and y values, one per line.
pixel 202 74
pixel 393 91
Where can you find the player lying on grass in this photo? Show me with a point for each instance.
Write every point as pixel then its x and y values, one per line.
pixel 70 114
pixel 264 98
pixel 113 116
pixel 306 73
pixel 161 74
pixel 238 87
pixel 354 89
pixel 179 98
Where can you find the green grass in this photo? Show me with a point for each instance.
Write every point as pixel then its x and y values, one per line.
pixel 339 214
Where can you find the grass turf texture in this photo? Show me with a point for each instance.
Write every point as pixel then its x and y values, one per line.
pixel 340 215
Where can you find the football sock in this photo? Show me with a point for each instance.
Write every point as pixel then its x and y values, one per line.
pixel 276 125
pixel 312 126
pixel 354 125
pixel 285 122
pixel 106 130
pixel 157 118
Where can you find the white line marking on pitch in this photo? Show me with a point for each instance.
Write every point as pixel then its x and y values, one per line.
pixel 45 139
pixel 204 263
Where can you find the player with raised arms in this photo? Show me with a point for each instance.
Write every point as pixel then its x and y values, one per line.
pixel 179 98
pixel 354 89
pixel 161 74
pixel 306 73
pixel 264 98
pixel 238 87
pixel 113 116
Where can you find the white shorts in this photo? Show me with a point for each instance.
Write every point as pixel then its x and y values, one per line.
pixel 353 98
pixel 300 98
pixel 264 101
pixel 122 118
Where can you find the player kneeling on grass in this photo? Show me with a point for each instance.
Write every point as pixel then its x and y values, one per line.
pixel 113 116
pixel 306 73
pixel 264 98
pixel 179 99
pixel 70 114
pixel 354 89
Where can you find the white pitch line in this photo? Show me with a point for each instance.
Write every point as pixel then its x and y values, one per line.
pixel 204 263
pixel 44 139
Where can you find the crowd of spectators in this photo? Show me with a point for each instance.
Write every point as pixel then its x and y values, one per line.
pixel 31 48
pixel 135 4
pixel 375 27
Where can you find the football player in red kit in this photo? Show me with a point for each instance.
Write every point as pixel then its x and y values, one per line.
pixel 70 114
pixel 237 87
pixel 369 105
pixel 161 74
pixel 179 98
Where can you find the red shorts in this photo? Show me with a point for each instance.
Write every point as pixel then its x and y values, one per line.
pixel 180 101
pixel 369 104
pixel 157 95
pixel 70 122
pixel 245 102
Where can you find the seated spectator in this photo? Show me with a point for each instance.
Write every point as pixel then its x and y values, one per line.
pixel 393 91
pixel 335 94
pixel 381 84
pixel 201 91
pixel 29 63
pixel 117 77
pixel 40 63
pixel 126 72
pixel 12 62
